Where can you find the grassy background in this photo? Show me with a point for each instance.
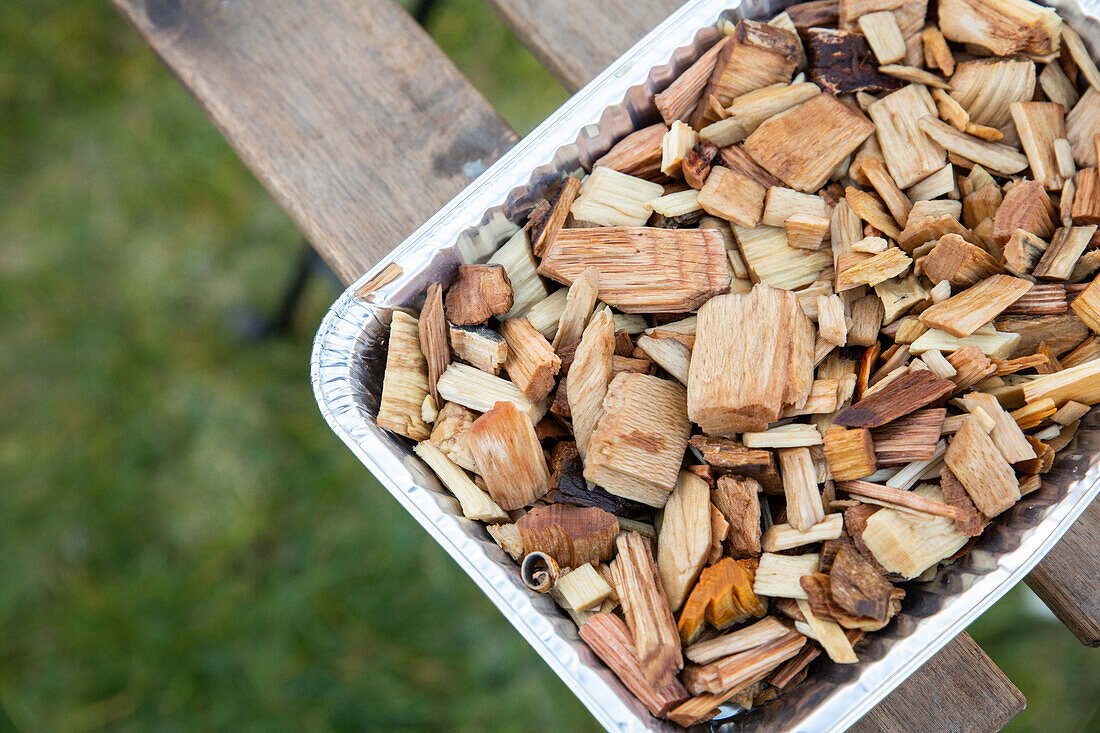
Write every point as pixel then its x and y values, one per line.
pixel 185 545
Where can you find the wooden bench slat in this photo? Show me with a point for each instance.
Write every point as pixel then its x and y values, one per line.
pixel 358 124
pixel 577 40
pixel 1066 579
pixel 976 698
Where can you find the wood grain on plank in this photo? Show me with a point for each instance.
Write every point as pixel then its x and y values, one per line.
pixel 1066 578
pixel 976 698
pixel 355 121
pixel 577 40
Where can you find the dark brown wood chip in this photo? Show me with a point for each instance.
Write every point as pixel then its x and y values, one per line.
pixel 905 394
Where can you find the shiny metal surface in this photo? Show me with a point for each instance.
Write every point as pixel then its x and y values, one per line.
pixel 349 358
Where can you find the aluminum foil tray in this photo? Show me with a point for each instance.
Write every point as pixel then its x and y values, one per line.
pixel 349 358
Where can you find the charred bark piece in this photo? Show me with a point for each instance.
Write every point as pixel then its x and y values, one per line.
pixel 841 62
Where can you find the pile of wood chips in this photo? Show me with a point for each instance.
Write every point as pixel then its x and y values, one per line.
pixel 823 323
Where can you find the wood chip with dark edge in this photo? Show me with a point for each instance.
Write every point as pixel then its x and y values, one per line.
pixel 736 159
pixel 638 154
pixel 732 456
pixel 479 291
pixel 572 535
pixel 907 393
pixel 841 62
pixel 738 499
pixel 857 585
pixel 559 212
pixel 912 437
pixel 896 498
pixel 697 164
pixel 973 522
pixel 567 485
pixel 608 637
pixel 759 55
pixel 815 14
pixel 433 338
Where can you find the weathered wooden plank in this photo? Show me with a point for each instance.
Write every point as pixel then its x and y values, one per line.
pixel 1066 578
pixel 355 121
pixel 976 699
pixel 577 40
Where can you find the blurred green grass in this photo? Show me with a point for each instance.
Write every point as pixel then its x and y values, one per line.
pixel 185 544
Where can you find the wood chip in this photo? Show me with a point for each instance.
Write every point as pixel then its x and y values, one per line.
pixel 531 363
pixel 874 270
pixel 509 457
pixel 1006 434
pixel 656 640
pixel 785 537
pixel 1086 201
pixel 733 196
pixel 959 262
pixel 963 314
pixel 684 540
pixel 729 391
pixel 988 478
pixel 474 502
pixel 996 157
pixel 723 597
pixel 579 302
pixel 750 637
pixel 772 261
pixel 778 575
pixel 637 447
pixel 405 384
pixel 610 639
pixel 1026 206
pixel 749 110
pixel 479 345
pixel 736 671
pixel 803 145
pixel 897 498
pixel 639 153
pixel 883 35
pixel 804 507
pixel 1039 124
pixel 841 62
pixel 907 545
pixel 807 231
pixel 758 55
pixel 573 536
pixel 1004 27
pixel 738 500
pixel 643 269
pixel 912 437
pixel 908 393
pixel 1066 247
pixel 480 291
pixel 857 586
pixel 1080 383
